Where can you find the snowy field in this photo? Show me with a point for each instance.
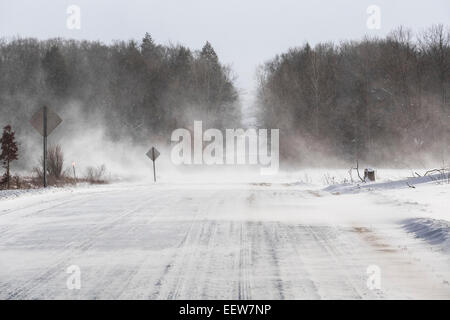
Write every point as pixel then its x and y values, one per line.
pixel 303 235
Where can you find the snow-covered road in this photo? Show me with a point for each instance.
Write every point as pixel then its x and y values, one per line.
pixel 218 241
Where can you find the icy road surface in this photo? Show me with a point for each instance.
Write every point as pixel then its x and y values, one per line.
pixel 223 241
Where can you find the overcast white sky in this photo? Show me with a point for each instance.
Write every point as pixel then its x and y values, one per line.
pixel 244 33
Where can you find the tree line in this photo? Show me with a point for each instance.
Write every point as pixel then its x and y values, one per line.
pixel 139 89
pixel 382 100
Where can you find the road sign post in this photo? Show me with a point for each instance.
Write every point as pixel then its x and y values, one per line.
pixel 154 166
pixel 153 154
pixel 45 121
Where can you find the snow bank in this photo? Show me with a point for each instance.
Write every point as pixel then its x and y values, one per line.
pixel 13 194
pixel 435 232
pixel 398 184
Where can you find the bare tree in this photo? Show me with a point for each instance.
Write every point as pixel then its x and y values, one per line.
pixel 383 99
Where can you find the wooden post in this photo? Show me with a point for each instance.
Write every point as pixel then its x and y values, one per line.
pixel 369 174
pixel 74 173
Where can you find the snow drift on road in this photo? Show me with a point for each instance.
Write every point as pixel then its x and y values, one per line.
pixel 435 232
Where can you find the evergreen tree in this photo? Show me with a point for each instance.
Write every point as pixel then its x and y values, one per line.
pixel 9 152
pixel 208 53
pixel 147 45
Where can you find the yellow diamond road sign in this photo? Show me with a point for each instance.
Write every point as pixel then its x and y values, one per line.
pixel 153 154
pixel 53 120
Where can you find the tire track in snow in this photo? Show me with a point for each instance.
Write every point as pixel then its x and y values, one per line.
pixel 308 287
pixel 131 281
pixel 330 248
pixel 244 290
pixel 172 283
pixel 272 240
pixel 69 253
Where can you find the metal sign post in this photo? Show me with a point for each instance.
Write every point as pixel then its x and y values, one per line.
pixel 45 121
pixel 153 154
pixel 154 166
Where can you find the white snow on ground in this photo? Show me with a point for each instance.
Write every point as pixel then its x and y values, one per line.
pixel 431 199
pixel 283 237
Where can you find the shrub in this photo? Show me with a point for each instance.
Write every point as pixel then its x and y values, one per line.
pixel 55 161
pixel 96 174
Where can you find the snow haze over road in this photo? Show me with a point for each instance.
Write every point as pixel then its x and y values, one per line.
pixel 268 238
